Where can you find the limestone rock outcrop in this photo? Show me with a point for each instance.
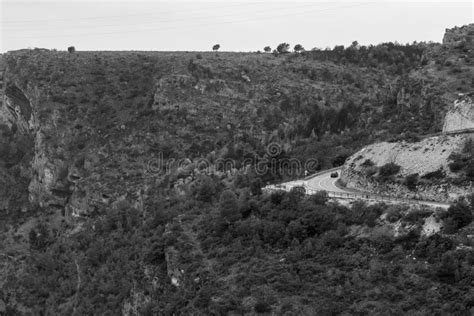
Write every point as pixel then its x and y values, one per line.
pixel 48 166
pixel 459 35
pixel 16 144
pixel 460 116
pixel 16 108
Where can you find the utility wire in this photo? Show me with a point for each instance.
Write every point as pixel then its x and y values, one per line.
pixel 176 19
pixel 128 15
pixel 189 26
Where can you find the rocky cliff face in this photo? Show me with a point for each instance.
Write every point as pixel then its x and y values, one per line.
pixel 460 116
pixel 459 35
pixel 16 144
pixel 20 110
pixel 55 160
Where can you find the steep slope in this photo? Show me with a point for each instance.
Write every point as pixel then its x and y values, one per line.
pixel 426 162
pixel 105 150
pixel 97 119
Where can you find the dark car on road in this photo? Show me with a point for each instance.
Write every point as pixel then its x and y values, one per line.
pixel 334 174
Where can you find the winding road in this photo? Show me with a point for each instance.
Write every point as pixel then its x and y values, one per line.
pixel 323 181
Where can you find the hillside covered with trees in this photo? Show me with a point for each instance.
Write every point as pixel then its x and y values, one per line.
pixel 114 198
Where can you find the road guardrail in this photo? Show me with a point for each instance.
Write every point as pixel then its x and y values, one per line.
pixel 356 195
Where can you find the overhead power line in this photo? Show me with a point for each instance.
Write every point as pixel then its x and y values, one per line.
pixel 152 30
pixel 160 20
pixel 124 16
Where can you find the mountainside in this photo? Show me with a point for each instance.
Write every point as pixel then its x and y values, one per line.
pixel 87 111
pixel 107 115
pixel 130 182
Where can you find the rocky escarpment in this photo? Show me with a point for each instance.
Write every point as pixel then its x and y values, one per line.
pixel 460 116
pixel 459 35
pixel 20 111
pixel 50 160
pixel 16 145
pixel 17 109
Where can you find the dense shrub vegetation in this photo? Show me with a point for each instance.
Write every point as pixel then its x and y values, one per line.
pixel 458 215
pixel 464 161
pixel 277 252
pixel 197 237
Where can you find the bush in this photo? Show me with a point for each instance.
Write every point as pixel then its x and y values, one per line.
pixel 433 247
pixel 39 237
pixel 470 199
pixel 462 161
pixel 229 206
pixel 363 214
pixel 283 48
pixel 393 214
pixel 256 186
pixel 332 239
pixel 369 172
pixel 411 137
pixel 411 181
pixel 206 190
pixel 298 48
pixel 449 226
pixel 459 214
pixel 470 170
pixel 262 307
pixel 319 198
pixel 410 239
pixel 297 194
pixel 389 169
pixel 277 196
pixel 417 216
pixel 367 163
pixel 448 268
pixel 456 165
pixel 371 215
pixel 438 174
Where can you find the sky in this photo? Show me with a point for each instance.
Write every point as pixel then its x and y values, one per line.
pixel 163 25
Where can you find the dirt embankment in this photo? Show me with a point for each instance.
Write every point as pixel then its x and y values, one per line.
pixel 428 158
